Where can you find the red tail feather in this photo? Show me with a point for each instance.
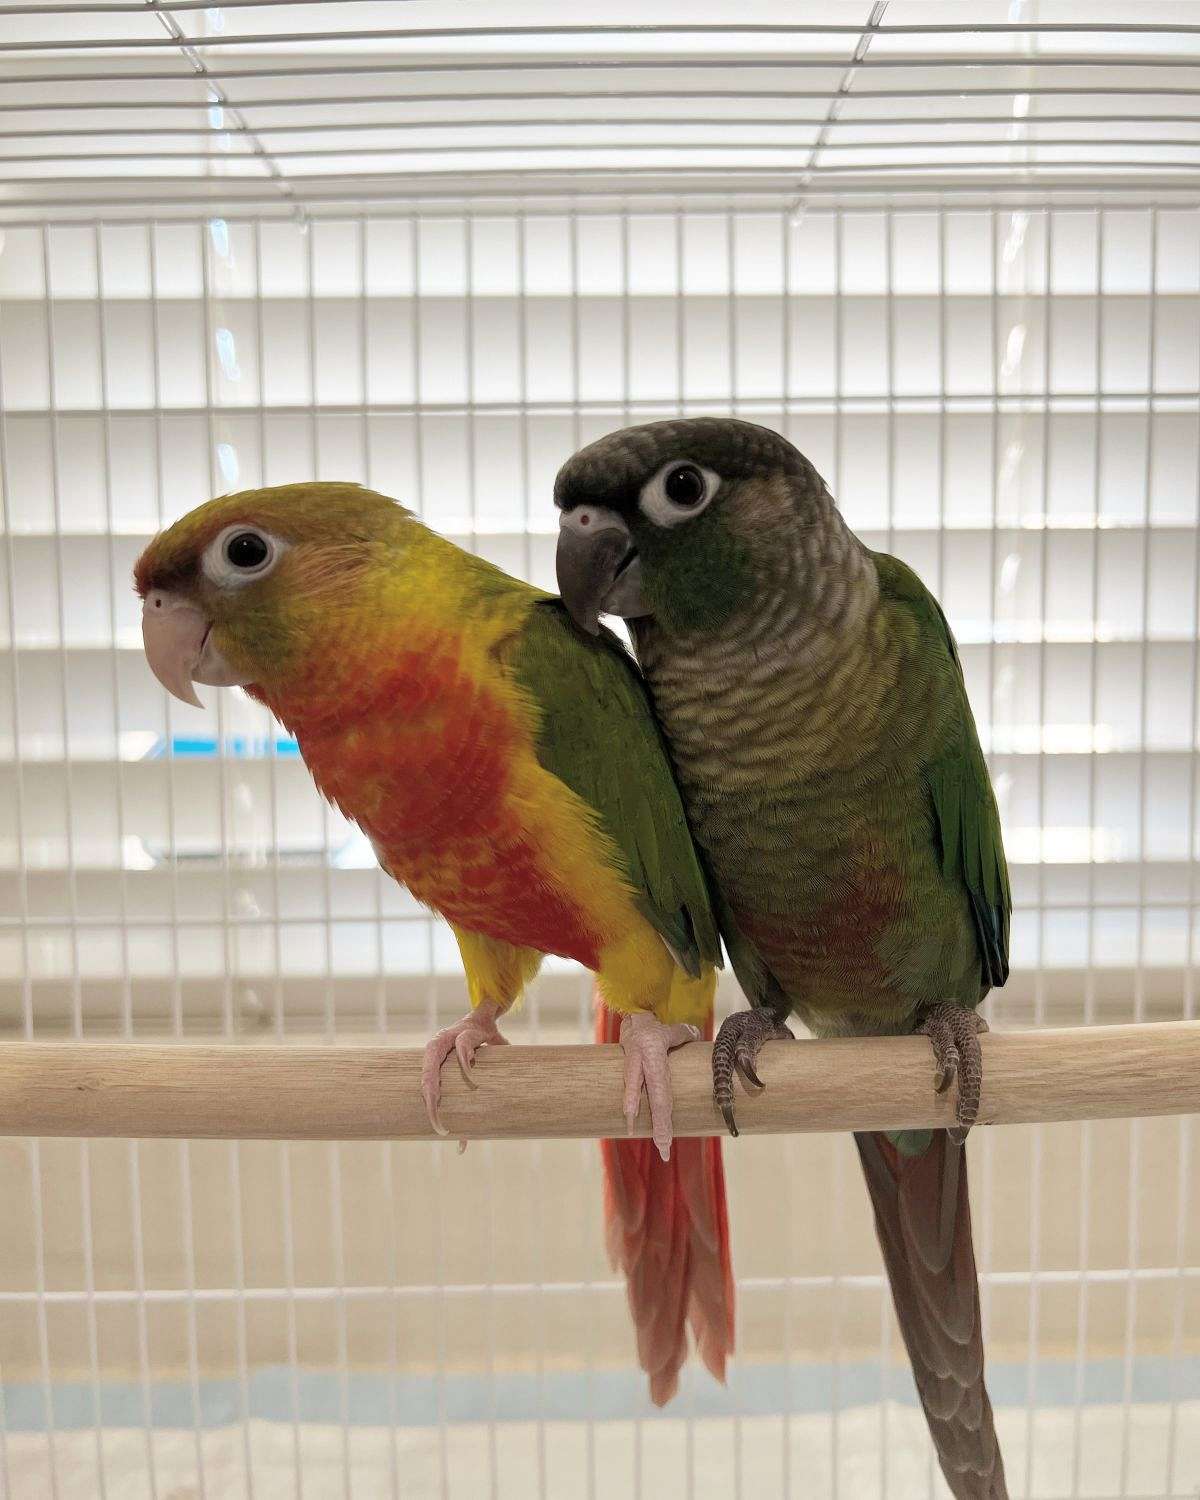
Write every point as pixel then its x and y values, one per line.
pixel 667 1227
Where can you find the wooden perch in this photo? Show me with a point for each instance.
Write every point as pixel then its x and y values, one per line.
pixel 337 1092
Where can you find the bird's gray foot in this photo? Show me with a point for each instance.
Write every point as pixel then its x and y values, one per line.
pixel 954 1032
pixel 738 1043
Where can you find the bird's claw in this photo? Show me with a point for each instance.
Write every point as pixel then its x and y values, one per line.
pixel 736 1048
pixel 646 1042
pixel 947 1071
pixel 465 1044
pixel 464 1038
pixel 954 1032
pixel 431 1093
pixel 743 1061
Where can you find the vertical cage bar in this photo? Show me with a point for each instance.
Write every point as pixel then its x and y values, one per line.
pixel 469 358
pixel 333 1158
pixel 138 1236
pixel 1039 989
pixel 435 1156
pixel 586 1004
pixel 187 1217
pixel 77 1027
pixel 470 361
pixel 387 1159
pixel 839 1158
pixel 535 1009
pixel 735 408
pixel 292 1331
pixel 626 315
pixel 626 366
pixel 1089 990
pixel 680 315
pixel 209 249
pixel 985 1230
pixel 942 378
pixel 133 1148
pixel 790 1173
pixel 1139 975
pixel 182 1155
pixel 190 1311
pixel 680 311
pixel 943 314
pixel 1184 1179
pixel 278 993
pixel 338 1235
pixel 21 824
pixel 889 277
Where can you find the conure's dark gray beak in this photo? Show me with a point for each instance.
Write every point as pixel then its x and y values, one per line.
pixel 599 571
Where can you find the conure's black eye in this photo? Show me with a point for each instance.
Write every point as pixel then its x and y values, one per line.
pixel 241 554
pixel 684 485
pixel 246 550
pixel 677 492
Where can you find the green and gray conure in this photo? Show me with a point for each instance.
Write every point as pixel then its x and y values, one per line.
pixel 814 703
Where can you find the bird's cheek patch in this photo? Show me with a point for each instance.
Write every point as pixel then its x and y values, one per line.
pixel 695 579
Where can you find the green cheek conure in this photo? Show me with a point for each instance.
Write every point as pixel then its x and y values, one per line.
pixel 812 697
pixel 508 770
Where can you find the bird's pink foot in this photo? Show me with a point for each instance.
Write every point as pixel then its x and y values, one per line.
pixel 464 1038
pixel 738 1044
pixel 646 1043
pixel 954 1032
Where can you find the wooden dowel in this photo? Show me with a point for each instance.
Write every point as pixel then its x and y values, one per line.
pixel 250 1092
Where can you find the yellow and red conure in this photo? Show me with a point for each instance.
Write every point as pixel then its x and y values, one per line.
pixel 434 754
pixel 508 770
pixel 442 779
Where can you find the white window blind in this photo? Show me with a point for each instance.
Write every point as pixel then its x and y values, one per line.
pixel 1005 398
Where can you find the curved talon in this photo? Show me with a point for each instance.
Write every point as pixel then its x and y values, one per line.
pixel 954 1032
pixel 464 1038
pixel 743 1061
pixel 465 1044
pixel 736 1048
pixel 947 1071
pixel 431 1109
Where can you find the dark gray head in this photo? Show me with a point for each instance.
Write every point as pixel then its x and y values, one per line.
pixel 683 520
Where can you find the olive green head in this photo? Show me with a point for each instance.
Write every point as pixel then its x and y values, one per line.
pixel 681 520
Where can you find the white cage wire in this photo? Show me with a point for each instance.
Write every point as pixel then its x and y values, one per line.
pixel 954 253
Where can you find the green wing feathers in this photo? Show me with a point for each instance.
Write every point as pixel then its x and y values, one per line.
pixel 966 819
pixel 599 735
pixel 969 834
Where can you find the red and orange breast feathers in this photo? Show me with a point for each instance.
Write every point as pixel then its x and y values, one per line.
pixel 419 734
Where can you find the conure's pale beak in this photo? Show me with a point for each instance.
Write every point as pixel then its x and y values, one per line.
pixel 599 571
pixel 180 649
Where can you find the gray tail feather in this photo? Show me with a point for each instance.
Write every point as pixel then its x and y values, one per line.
pixel 923 1219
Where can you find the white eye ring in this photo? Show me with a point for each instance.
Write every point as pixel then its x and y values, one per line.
pixel 219 566
pixel 656 503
